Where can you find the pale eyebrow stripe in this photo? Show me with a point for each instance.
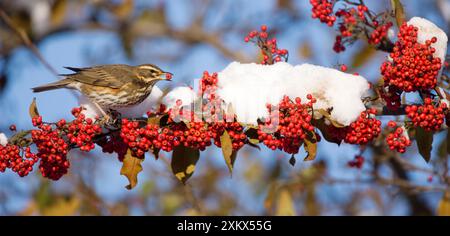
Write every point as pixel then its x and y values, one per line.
pixel 147 67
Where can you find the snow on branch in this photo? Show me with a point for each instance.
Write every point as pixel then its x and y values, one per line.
pixel 249 87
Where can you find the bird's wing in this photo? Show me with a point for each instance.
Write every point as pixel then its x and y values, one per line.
pixel 105 76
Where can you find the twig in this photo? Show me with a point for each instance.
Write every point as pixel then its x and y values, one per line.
pixel 27 41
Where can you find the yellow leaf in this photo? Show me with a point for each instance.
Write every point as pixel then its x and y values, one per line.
pixel 399 12
pixel 33 109
pixel 305 50
pixel 285 204
pixel 131 168
pixel 311 147
pixel 63 207
pixel 183 162
pixel 124 9
pixel 227 149
pixel 444 205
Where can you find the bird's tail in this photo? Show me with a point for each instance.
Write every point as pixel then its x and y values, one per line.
pixel 56 85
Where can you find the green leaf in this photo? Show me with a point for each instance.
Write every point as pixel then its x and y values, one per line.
pixel 311 147
pixel 399 12
pixel 183 162
pixel 33 109
pixel 131 167
pixel 424 141
pixel 227 150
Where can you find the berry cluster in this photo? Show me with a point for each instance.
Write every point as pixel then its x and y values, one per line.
pixel 235 131
pixel 413 66
pixel 380 33
pixel 357 162
pixel 427 116
pixel 114 144
pixel 364 129
pixel 353 22
pixel 323 10
pixel 80 131
pixel 269 49
pixel 52 152
pixel 397 140
pixel 293 128
pixel 17 159
pixel 197 136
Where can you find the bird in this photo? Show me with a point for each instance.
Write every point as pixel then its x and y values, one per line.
pixel 111 86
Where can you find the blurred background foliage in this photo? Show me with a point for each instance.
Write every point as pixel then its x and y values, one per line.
pixel 38 37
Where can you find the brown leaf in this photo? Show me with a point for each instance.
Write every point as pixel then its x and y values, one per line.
pixel 448 142
pixel 443 208
pixel 227 149
pixel 320 124
pixel 131 167
pixel 285 204
pixel 183 162
pixel 33 111
pixel 292 160
pixel 311 147
pixel 424 140
pixel 399 12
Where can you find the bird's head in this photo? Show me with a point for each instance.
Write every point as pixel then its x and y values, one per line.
pixel 151 73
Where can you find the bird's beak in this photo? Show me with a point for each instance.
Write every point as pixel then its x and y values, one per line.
pixel 166 76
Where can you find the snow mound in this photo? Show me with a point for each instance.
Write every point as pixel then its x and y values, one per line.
pixel 428 30
pixel 185 94
pixel 249 87
pixel 3 139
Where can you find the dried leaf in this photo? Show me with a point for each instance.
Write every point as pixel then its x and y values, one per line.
pixel 131 167
pixel 227 149
pixel 33 111
pixel 59 10
pixel 320 124
pixel 448 142
pixel 292 160
pixel 443 208
pixel 327 115
pixel 285 204
pixel 183 162
pixel 424 141
pixel 311 147
pixel 399 12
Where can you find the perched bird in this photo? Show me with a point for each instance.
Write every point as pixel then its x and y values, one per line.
pixel 111 86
